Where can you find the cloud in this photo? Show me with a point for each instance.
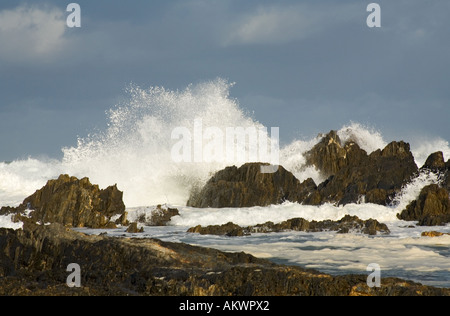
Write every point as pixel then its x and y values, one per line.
pixel 283 24
pixel 28 32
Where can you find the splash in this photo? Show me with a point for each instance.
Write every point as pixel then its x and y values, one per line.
pixel 134 151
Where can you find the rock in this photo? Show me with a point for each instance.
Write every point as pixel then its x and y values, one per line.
pixel 433 234
pixel 34 261
pixel 133 228
pixel 446 178
pixel 435 162
pixel 431 208
pixel 229 229
pixel 378 176
pixel 330 155
pixel 377 196
pixel 73 202
pixel 353 175
pixel 247 186
pixel 345 225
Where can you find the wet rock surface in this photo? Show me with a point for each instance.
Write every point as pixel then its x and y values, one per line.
pixel 34 260
pixel 72 202
pixel 345 225
pixel 247 186
pixel 432 207
pixel 351 174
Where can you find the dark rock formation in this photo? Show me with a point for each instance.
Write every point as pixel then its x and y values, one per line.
pixel 353 173
pixel 345 225
pixel 34 260
pixel 430 209
pixel 229 229
pixel 330 156
pixel 435 162
pixel 247 186
pixel 72 202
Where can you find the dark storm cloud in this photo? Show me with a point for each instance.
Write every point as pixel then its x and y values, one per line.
pixel 306 67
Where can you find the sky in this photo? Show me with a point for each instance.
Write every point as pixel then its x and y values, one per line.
pixel 304 66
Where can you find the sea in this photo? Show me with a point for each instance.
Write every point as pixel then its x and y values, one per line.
pixel 135 152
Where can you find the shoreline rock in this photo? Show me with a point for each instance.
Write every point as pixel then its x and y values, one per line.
pixel 33 261
pixel 345 225
pixel 246 186
pixel 431 208
pixel 351 174
pixel 72 202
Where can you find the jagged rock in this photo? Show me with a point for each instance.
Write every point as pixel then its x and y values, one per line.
pixel 435 162
pixel 345 225
pixel 330 156
pixel 247 186
pixel 431 208
pixel 353 175
pixel 34 261
pixel 73 202
pixel 378 176
pixel 133 228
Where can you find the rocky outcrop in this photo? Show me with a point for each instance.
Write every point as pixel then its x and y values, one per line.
pixel 228 229
pixel 345 225
pixel 34 261
pixel 431 208
pixel 330 155
pixel 247 186
pixel 435 162
pixel 353 174
pixel 72 202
